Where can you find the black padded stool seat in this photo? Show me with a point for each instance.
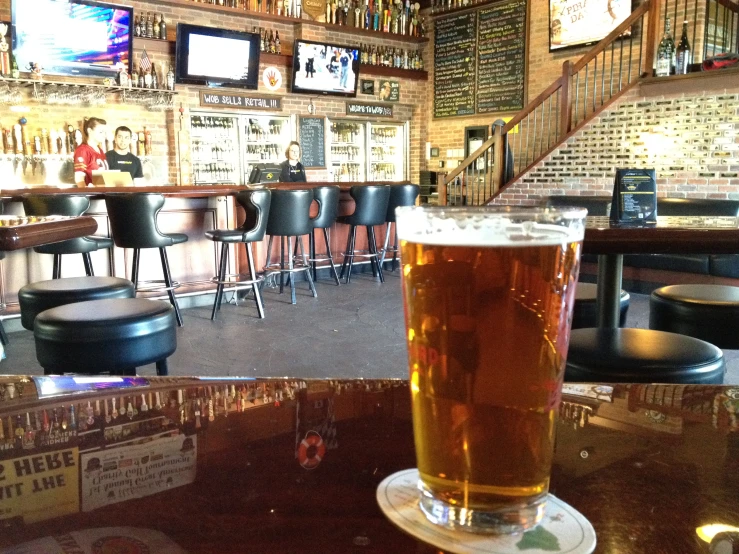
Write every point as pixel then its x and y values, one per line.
pixel 584 313
pixel 34 298
pixel 706 312
pixel 115 334
pixel 642 356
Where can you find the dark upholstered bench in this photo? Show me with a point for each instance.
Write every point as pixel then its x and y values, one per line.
pixel 114 335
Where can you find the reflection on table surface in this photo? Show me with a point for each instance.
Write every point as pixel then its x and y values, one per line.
pixel 16 220
pixel 696 221
pixel 235 465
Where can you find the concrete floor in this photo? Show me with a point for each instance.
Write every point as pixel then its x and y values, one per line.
pixel 348 331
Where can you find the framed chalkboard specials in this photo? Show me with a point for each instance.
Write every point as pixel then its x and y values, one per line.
pixel 480 60
pixel 312 138
pixel 634 197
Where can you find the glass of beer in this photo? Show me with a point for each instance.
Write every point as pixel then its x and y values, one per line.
pixel 488 296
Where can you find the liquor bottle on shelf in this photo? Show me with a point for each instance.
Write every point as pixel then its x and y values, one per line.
pixel 170 78
pixel 137 26
pixel 149 26
pixel 272 48
pixel 278 46
pixel 665 52
pixel 162 27
pixel 155 28
pixel 682 56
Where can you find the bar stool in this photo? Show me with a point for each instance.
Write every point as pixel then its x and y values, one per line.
pixel 370 209
pixel 400 195
pixel 328 207
pixel 256 205
pixel 133 223
pixel 289 216
pixel 706 312
pixel 43 205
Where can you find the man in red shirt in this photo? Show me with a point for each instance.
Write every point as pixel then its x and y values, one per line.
pixel 89 156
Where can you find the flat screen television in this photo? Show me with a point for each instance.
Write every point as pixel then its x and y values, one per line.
pixel 325 68
pixel 72 37
pixel 216 57
pixel 582 23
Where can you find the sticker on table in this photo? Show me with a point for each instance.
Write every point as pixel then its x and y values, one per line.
pixel 562 531
pixel 130 540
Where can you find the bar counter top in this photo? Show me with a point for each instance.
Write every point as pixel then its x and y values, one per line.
pixel 179 191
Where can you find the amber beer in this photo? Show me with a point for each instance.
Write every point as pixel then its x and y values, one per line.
pixel 488 308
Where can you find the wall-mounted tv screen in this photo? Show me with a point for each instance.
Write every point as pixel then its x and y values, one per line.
pixel 216 57
pixel 72 37
pixel 580 23
pixel 323 68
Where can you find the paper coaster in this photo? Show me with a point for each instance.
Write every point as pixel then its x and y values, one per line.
pixel 563 529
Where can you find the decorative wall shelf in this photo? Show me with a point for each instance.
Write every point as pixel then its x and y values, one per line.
pixel 155 45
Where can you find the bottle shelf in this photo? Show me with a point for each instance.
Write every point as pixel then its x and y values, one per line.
pixel 368 33
pixel 155 45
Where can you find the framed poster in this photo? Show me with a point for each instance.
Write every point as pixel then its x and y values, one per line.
pixel 582 22
pixel 389 91
pixel 367 86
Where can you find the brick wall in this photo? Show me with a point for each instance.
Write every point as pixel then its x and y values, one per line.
pixel 165 126
pixel 690 140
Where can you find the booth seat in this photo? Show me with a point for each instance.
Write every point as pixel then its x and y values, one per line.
pixel 716 265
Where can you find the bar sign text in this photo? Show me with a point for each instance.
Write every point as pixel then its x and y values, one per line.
pixel 241 101
pixel 356 108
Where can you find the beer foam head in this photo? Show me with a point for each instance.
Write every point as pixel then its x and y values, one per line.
pixel 490 226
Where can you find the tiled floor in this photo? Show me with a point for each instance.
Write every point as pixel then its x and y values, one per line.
pixel 348 331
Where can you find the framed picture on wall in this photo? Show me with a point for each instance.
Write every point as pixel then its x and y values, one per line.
pixel 583 22
pixel 367 86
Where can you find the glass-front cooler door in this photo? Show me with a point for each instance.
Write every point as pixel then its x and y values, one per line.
pixel 264 139
pixel 215 149
pixel 347 161
pixel 387 152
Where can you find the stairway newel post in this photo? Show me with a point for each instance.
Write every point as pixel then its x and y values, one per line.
pixel 499 160
pixel 566 110
pixel 441 189
pixel 652 37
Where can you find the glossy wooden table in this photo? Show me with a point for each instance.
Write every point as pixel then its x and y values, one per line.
pixel 18 232
pixel 214 466
pixel 671 235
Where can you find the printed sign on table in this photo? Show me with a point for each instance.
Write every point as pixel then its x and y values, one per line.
pixel 41 486
pixel 118 474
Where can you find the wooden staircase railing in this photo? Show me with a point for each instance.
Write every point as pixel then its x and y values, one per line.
pixel 582 90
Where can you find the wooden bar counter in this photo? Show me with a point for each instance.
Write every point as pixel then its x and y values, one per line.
pixel 189 209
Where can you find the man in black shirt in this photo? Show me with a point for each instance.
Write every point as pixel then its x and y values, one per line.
pixel 121 157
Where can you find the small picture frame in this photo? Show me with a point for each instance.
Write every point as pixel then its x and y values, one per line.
pixel 366 86
pixel 434 152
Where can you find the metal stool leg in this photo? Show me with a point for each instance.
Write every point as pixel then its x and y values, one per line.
pixel 282 264
pixel 168 282
pixel 351 254
pixel 293 299
pixel 374 251
pixel 135 269
pixel 252 276
pixel 57 271
pixel 330 255
pixel 347 252
pixel 395 249
pixel 269 252
pixel 299 241
pixel 88 264
pixel 221 278
pixel 3 335
pixel 387 241
pixel 312 253
pixel 162 368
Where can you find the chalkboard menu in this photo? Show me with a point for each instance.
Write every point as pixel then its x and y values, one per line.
pixel 312 134
pixel 454 65
pixel 480 60
pixel 501 36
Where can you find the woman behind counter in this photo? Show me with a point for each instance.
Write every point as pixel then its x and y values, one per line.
pixel 89 156
pixel 292 170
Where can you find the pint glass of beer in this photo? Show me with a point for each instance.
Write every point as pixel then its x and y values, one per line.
pixel 488 298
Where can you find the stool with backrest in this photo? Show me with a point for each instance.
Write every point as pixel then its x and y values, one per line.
pixel 289 216
pixel 370 209
pixel 42 205
pixel 114 335
pixel 328 207
pixel 256 207
pixel 400 195
pixel 706 312
pixel 133 223
pixel 642 356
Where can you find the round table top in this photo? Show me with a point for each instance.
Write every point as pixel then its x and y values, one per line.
pixel 214 465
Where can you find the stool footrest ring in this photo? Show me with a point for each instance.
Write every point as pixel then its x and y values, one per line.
pixel 156 285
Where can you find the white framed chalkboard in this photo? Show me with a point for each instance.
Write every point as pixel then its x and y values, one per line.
pixel 312 139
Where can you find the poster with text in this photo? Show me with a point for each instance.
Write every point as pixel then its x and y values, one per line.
pixel 576 22
pixel 41 486
pixel 119 474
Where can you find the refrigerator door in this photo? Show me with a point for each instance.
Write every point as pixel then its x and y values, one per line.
pixel 387 152
pixel 348 156
pixel 215 149
pixel 264 139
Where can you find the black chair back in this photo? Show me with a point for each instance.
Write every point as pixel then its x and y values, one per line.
pixel 43 205
pixel 371 204
pixel 328 206
pixel 289 213
pixel 256 204
pixel 133 220
pixel 401 195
